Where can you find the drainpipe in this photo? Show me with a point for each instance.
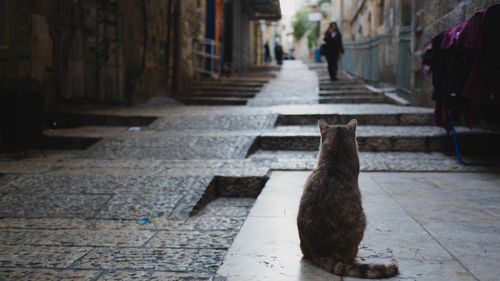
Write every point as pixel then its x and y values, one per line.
pixel 168 47
pixel 177 79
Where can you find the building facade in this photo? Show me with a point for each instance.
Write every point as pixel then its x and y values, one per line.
pixel 384 39
pixel 122 51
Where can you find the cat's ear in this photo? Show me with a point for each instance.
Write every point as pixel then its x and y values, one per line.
pixel 352 125
pixel 323 126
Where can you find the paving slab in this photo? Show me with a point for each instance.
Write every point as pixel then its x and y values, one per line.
pixel 42 256
pixel 159 259
pixel 96 195
pixel 214 122
pixel 347 92
pixel 161 146
pixel 268 241
pixel 73 214
pixel 224 88
pixel 351 99
pixel 192 239
pixel 230 82
pixel 157 276
pixel 256 164
pixel 47 274
pixel 381 138
pixel 51 205
pixel 75 237
pixel 221 94
pixel 195 100
pixel 295 85
pixel 74 183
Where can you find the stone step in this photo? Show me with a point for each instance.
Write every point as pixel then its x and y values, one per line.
pixel 343 84
pixel 213 101
pixel 219 94
pixel 264 68
pixel 352 99
pixel 353 84
pixel 245 79
pixel 337 87
pixel 376 161
pixel 68 143
pixel 327 83
pixel 91 119
pixel 383 138
pixel 404 119
pixel 222 88
pixel 347 92
pixel 231 83
pixel 262 75
pixel 79 137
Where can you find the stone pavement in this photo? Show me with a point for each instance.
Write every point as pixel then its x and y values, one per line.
pixel 439 226
pixel 195 172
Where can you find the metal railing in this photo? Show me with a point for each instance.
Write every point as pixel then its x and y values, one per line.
pixel 207 56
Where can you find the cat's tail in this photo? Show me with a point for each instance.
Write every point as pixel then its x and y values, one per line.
pixel 360 270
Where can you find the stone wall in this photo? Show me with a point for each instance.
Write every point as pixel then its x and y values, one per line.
pixel 371 34
pixel 106 51
pixel 34 44
pixel 241 35
pixel 406 27
pixel 193 26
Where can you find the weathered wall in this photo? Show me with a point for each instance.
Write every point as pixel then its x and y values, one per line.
pixel 34 44
pixel 388 40
pixel 371 34
pixel 193 16
pixel 105 51
pixel 241 37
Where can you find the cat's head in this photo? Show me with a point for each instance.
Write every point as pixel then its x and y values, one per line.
pixel 337 140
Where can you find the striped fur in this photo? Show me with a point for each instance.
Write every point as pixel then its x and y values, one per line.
pixel 360 270
pixel 331 221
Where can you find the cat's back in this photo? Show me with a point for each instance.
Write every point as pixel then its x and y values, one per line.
pixel 328 195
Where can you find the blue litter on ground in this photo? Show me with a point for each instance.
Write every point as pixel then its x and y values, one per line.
pixel 143 221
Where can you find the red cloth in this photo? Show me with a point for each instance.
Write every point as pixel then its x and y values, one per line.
pixel 477 89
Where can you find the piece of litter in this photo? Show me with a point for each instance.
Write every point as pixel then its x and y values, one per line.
pixel 143 221
pixel 135 129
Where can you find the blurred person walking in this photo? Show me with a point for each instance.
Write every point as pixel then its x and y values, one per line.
pixel 278 53
pixel 334 48
pixel 267 52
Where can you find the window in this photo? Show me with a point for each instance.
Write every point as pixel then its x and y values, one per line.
pixel 369 24
pixel 406 12
pixel 381 8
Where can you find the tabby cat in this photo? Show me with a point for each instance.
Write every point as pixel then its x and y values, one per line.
pixel 331 220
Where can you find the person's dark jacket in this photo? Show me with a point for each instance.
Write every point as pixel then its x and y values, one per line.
pixel 333 44
pixel 278 52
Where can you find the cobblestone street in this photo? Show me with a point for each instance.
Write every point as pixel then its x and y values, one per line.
pixel 169 191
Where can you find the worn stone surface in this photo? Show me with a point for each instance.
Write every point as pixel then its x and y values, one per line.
pixel 47 274
pixel 195 173
pixel 170 147
pixel 444 248
pixel 75 237
pixel 29 256
pixel 192 239
pixel 214 122
pixel 158 276
pixel 165 259
pixel 51 205
pixel 94 184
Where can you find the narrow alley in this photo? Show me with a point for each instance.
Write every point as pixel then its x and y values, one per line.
pixel 209 191
pixel 173 139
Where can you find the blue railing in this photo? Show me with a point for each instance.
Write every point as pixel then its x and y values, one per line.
pixel 207 56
